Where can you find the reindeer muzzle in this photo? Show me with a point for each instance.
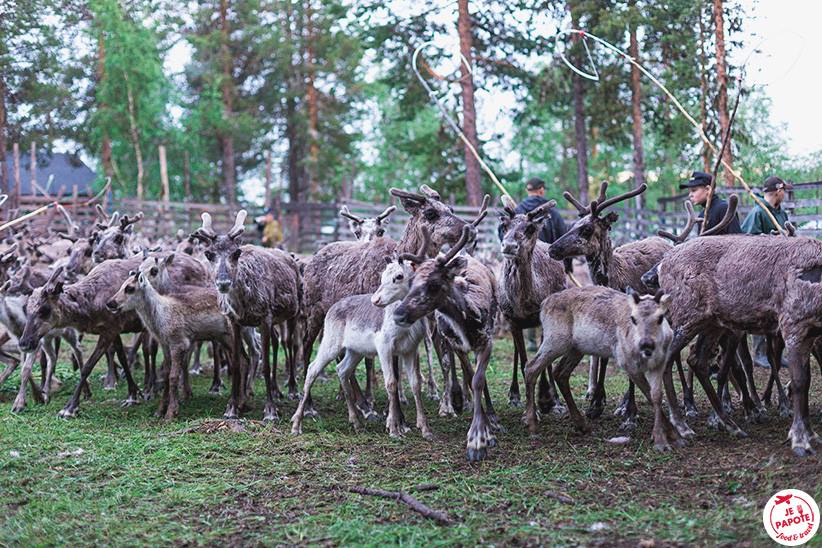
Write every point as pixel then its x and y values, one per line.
pixel 646 348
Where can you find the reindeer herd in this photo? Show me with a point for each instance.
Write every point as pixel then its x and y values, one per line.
pixel 375 297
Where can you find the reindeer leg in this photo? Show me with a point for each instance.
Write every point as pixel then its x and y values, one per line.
pixel 177 359
pixel 593 369
pixel 165 371
pixel 394 421
pixel 704 347
pixel 196 366
pixel 797 351
pixel 411 364
pixel 188 393
pixel 51 360
pixel 269 341
pixel 680 341
pixel 237 373
pixel 480 435
pixel 25 374
pixel 275 386
pixel 216 383
pixel 743 371
pixel 687 383
pixel 8 371
pixel 565 367
pixel 597 403
pixel 325 355
pixel 548 398
pixel 134 394
pixel 111 377
pixel 103 342
pixel 345 371
pixel 370 380
pixel 514 398
pixel 543 358
pixel 432 390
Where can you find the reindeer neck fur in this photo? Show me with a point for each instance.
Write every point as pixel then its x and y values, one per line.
pixel 600 265
pixel 403 339
pixel 464 324
pixel 411 238
pixel 518 284
pixel 153 309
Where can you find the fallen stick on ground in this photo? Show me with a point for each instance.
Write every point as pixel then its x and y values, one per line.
pixel 440 517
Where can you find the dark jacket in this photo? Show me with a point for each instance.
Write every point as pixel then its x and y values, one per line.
pixel 718 209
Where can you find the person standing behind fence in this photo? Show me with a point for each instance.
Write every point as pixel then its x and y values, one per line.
pixel 271 228
pixel 757 221
pixel 698 187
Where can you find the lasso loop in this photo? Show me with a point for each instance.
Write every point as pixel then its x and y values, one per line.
pixel 708 143
pixel 446 115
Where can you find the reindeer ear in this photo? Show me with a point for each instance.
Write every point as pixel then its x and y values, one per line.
pixel 456 265
pixel 57 289
pixel 388 259
pixel 611 218
pixel 664 302
pixel 170 259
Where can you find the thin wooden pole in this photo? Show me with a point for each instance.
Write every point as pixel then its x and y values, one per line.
pixel 164 175
pixel 16 160
pixel 186 176
pixel 267 197
pixel 33 169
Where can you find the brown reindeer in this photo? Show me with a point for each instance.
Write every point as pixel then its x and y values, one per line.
pixel 257 287
pixel 463 292
pixel 618 269
pixel 529 275
pixel 602 322
pixel 754 284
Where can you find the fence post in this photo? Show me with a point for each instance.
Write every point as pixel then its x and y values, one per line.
pixel 164 176
pixel 33 168
pixel 267 197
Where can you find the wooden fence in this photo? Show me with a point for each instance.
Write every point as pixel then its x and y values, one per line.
pixel 309 226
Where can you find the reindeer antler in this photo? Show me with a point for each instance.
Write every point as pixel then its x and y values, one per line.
pixel 421 254
pixel 126 220
pixel 508 205
pixel 101 212
pixel 347 214
pixel 601 204
pixel 583 210
pixel 114 218
pixel 483 211
pixel 407 195
pixel 541 211
pixel 730 214
pixel 3 198
pixel 238 227
pixel 72 228
pixel 205 233
pixel 692 219
pixel 430 192
pixel 466 234
pixel 384 215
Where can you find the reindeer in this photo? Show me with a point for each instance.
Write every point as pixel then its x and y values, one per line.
pixel 363 325
pixel 367 229
pixel 342 269
pixel 257 287
pixel 13 296
pixel 603 322
pixel 114 241
pixel 529 275
pixel 618 269
pixel 176 321
pixel 747 284
pixel 463 292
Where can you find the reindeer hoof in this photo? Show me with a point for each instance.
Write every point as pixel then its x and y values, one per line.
pixel 680 442
pixel 270 414
pixel 428 436
pixel 311 412
pixel 594 410
pixel 432 394
pixel 514 400
pixel 713 421
pixel 18 408
pixel 476 455
pixel 67 413
pixel 785 411
pixel 662 447
pixel 690 410
pixel 803 451
pixel 130 401
pixel 294 395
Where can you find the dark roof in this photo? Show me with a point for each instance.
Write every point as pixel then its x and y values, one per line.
pixel 68 170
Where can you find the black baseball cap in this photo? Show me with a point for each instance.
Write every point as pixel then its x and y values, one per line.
pixel 773 183
pixel 698 178
pixel 535 183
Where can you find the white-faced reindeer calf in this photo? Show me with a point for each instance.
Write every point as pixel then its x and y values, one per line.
pixel 602 322
pixel 364 325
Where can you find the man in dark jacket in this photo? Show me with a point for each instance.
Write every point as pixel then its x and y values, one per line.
pixel 698 187
pixel 553 227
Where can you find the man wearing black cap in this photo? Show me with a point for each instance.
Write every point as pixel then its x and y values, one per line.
pixel 699 186
pixel 757 221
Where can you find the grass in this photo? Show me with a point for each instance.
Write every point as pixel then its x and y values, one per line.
pixel 118 476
